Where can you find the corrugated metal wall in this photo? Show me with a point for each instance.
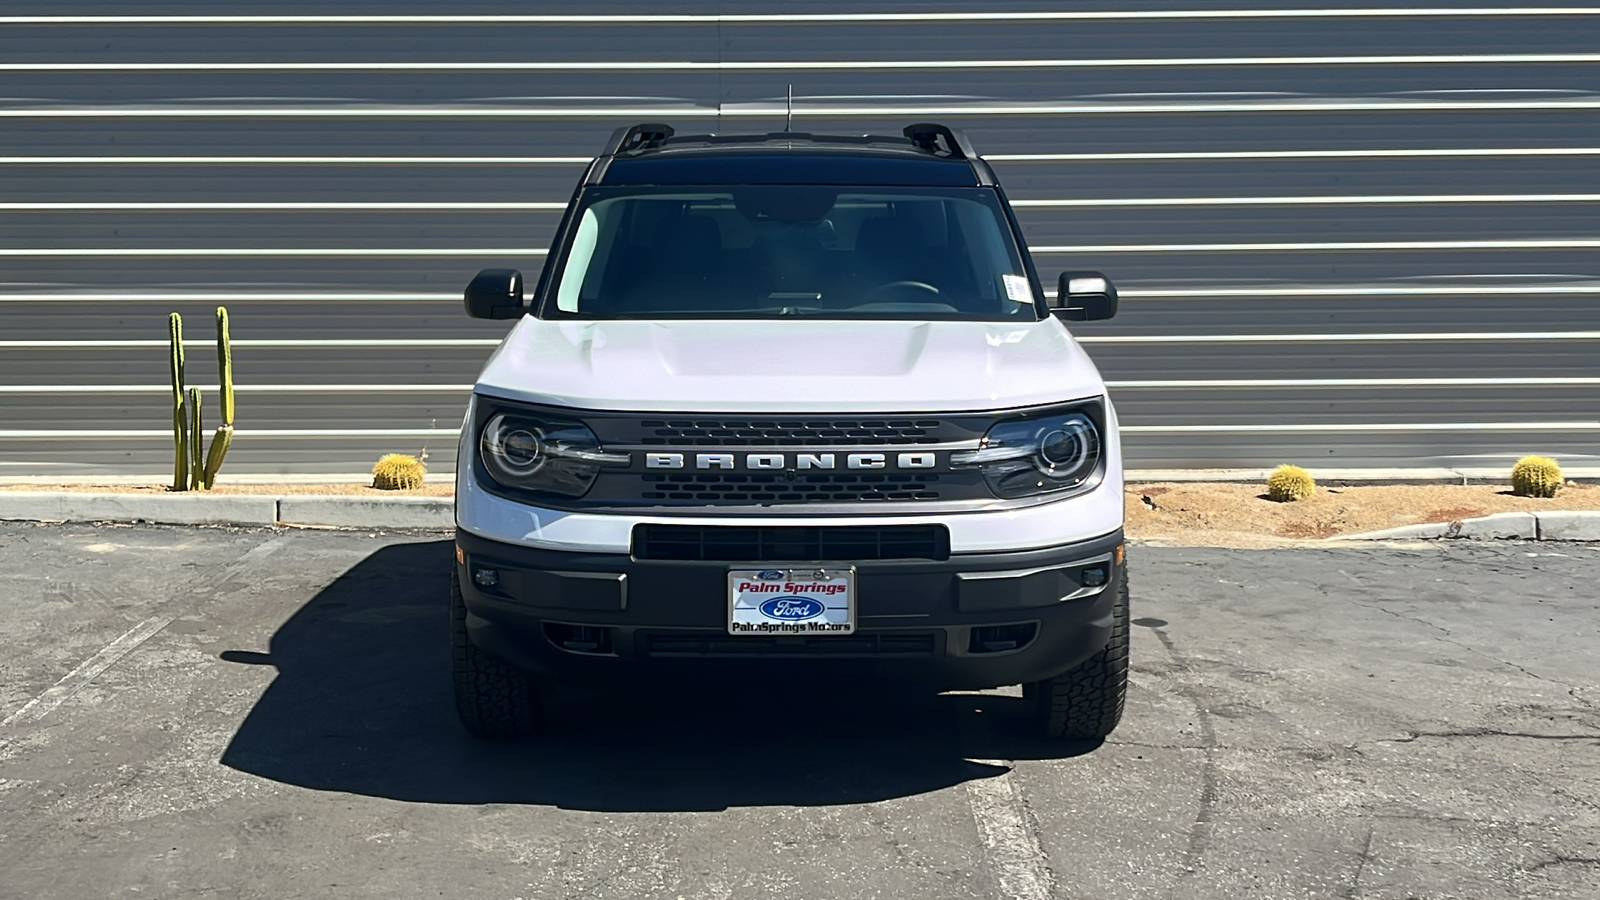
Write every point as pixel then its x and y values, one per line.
pixel 1344 240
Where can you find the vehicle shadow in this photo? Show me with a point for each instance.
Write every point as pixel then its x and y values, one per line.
pixel 362 704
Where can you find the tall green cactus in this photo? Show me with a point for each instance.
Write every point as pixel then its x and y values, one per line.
pixel 224 436
pixel 196 442
pixel 180 431
pixel 193 467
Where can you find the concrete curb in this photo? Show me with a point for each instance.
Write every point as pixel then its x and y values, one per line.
pixel 1556 525
pixel 367 512
pixel 328 511
pixel 438 514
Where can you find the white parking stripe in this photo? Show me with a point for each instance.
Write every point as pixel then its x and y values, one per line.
pixel 801 18
pixel 1010 844
pixel 86 671
pixel 766 109
pixel 783 65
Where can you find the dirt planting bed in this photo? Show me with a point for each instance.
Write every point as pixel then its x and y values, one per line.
pixel 1233 515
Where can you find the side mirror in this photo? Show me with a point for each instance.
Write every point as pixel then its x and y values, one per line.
pixel 495 294
pixel 1084 297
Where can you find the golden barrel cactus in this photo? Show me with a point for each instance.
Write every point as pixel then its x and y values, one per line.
pixel 1288 483
pixel 398 472
pixel 1535 476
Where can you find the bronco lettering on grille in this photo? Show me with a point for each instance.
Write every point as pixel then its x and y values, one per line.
pixel 792 462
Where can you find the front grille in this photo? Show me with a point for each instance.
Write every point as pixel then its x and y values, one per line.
pixel 790 488
pixel 698 432
pixel 785 543
pixel 716 644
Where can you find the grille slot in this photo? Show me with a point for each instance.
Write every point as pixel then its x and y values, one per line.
pixel 769 488
pixel 785 543
pixel 699 432
pixel 717 644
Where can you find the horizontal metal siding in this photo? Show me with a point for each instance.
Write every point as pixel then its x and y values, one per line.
pixel 1224 347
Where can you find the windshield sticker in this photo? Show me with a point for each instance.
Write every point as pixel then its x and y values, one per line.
pixel 1017 288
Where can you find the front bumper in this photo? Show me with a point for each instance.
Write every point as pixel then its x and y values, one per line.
pixel 975 620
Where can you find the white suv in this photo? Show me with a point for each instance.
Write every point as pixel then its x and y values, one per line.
pixel 796 402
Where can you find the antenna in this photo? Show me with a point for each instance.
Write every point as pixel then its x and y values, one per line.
pixel 788 106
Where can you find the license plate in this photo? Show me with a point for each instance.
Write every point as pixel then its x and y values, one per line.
pixel 792 601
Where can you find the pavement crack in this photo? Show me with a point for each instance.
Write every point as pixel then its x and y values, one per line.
pixel 1414 736
pixel 1580 800
pixel 1447 637
pixel 1565 861
pixel 1200 829
pixel 1361 864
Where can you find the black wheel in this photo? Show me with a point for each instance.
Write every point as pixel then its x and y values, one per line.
pixel 1085 702
pixel 493 698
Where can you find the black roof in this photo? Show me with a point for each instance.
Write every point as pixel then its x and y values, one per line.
pixel 927 155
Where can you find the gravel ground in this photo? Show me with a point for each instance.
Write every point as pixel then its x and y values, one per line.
pixel 1232 515
pixel 260 713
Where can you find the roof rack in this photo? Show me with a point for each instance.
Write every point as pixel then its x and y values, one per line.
pixel 940 140
pixel 928 137
pixel 648 136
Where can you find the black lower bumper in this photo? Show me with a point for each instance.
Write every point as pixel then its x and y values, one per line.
pixel 970 621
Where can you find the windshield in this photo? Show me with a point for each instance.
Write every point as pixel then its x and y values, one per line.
pixel 792 250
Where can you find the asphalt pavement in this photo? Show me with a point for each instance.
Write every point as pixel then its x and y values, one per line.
pixel 1402 199
pixel 218 712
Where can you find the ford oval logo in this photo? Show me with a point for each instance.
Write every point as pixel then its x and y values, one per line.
pixel 792 608
pixel 770 575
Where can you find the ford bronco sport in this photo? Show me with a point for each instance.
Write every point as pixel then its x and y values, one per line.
pixel 790 400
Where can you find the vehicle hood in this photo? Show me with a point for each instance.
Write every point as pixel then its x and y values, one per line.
pixel 789 365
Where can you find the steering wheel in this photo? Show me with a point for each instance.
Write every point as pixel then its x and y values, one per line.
pixel 920 287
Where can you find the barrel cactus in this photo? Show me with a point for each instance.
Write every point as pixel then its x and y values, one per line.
pixel 398 472
pixel 1289 483
pixel 1535 476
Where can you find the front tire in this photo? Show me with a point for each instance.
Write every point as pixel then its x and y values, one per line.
pixel 1085 702
pixel 494 699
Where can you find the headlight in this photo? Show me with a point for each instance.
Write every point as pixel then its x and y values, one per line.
pixel 1039 455
pixel 532 453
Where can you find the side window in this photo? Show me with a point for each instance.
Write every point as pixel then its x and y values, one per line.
pixel 578 258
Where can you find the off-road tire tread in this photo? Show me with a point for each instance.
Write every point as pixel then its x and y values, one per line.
pixel 1085 702
pixel 494 699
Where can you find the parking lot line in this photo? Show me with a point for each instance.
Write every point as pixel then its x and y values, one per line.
pixel 1009 840
pixel 86 671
